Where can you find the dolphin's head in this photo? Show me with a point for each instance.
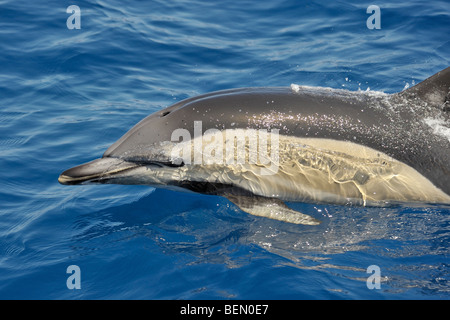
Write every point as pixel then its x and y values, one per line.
pixel 109 170
pixel 141 156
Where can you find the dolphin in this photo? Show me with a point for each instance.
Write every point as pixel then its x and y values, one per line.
pixel 260 147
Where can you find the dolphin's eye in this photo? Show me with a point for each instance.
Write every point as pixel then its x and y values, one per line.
pixel 165 114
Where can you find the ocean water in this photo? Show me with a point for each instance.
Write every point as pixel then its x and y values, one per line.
pixel 67 94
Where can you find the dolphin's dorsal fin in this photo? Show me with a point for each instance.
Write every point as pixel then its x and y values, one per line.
pixel 270 208
pixel 435 90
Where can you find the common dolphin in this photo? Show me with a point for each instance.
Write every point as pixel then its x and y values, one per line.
pixel 315 144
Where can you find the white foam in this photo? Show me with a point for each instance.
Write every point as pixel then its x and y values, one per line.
pixel 295 87
pixel 439 126
pixel 309 89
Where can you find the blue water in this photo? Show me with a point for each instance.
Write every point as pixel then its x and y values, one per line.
pixel 66 95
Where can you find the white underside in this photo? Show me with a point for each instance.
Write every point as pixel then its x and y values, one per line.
pixel 305 169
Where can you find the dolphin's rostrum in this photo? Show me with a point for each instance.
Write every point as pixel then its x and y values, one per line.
pixel 315 144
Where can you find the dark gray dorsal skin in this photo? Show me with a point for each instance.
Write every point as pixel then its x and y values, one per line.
pixel 411 127
pixel 392 124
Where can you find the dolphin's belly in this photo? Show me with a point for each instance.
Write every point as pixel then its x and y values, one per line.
pixel 307 169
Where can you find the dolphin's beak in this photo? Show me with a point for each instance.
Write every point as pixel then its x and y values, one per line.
pixel 97 171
